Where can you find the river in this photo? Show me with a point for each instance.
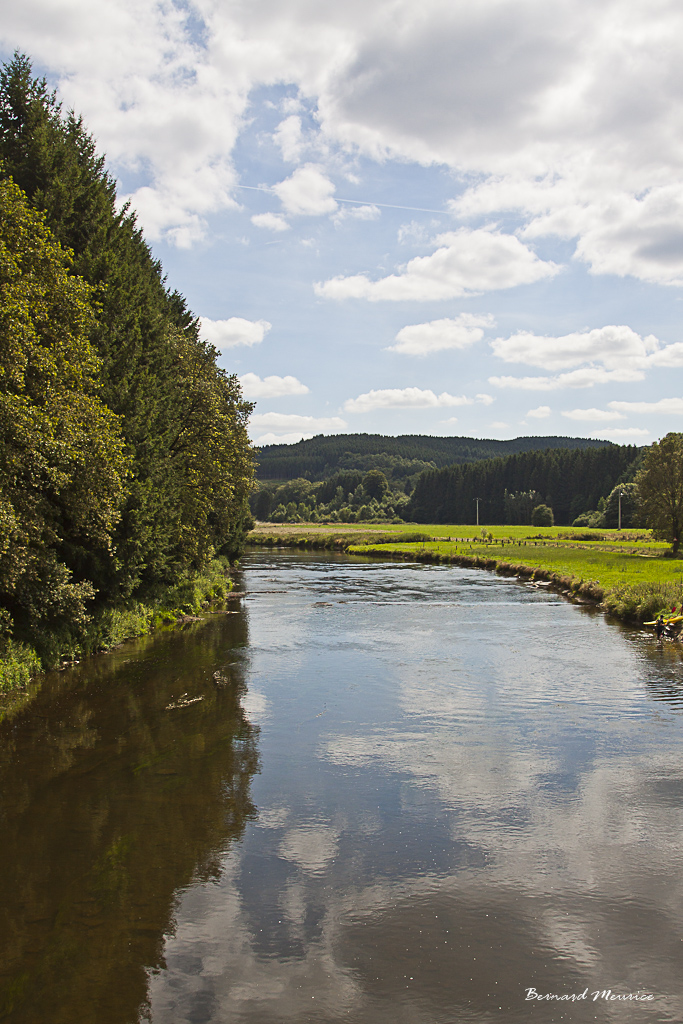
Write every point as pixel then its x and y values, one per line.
pixel 376 793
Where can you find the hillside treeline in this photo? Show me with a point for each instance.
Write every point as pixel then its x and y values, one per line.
pixel 402 457
pixel 125 465
pixel 570 482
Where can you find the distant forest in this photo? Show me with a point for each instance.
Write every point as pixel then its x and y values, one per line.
pixel 321 457
pixel 570 482
pixel 371 478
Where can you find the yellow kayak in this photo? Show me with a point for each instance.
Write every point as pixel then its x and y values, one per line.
pixel 676 618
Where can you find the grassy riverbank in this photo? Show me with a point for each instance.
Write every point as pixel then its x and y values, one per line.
pixel 627 573
pixel 110 627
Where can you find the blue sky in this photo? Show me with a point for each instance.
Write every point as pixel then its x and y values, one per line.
pixel 437 218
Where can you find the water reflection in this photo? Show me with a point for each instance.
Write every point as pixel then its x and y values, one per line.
pixel 468 787
pixel 112 805
pixel 467 791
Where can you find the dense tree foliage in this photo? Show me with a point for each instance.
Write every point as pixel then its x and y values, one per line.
pixel 61 455
pixel 143 367
pixel 660 486
pixel 399 458
pixel 569 481
pixel 346 497
pixel 630 506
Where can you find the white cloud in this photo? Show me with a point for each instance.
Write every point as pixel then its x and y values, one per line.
pixel 403 398
pixel 541 412
pixel 465 262
pixel 291 438
pixel 289 137
pixel 271 387
pixel 621 433
pixel 614 347
pixel 350 212
pixel 308 192
pixel 290 422
pixel 570 114
pixel 485 399
pixel 234 331
pixel 664 405
pixel 270 221
pixel 437 335
pixel 593 415
pixel 584 378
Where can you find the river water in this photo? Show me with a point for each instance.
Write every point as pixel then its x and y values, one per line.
pixel 408 795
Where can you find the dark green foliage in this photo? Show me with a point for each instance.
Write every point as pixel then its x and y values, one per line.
pixel 343 498
pixel 629 506
pixel 542 515
pixel 518 506
pixel 322 456
pixel 660 485
pixel 61 455
pixel 570 480
pixel 182 420
pixel 375 484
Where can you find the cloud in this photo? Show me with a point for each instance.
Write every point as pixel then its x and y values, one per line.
pixel 621 433
pixel 584 378
pixel 437 335
pixel 291 422
pixel 615 347
pixel 271 387
pixel 664 405
pixel 291 438
pixel 364 212
pixel 568 114
pixel 270 221
pixel 403 398
pixel 308 192
pixel 541 412
pixel 289 138
pixel 465 263
pixel 593 415
pixel 234 331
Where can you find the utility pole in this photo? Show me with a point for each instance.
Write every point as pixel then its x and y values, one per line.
pixel 477 501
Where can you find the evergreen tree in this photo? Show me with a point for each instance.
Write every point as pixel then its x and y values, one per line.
pixel 183 419
pixel 61 454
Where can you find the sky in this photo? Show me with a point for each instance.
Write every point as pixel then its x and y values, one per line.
pixel 402 217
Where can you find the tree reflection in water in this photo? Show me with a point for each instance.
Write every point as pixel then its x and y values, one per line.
pixel 111 804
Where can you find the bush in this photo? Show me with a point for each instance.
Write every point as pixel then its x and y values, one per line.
pixel 18 663
pixel 542 515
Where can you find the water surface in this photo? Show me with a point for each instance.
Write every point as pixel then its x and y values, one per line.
pixel 408 794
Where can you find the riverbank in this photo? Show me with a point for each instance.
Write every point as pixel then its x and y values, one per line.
pixel 627 573
pixel 109 627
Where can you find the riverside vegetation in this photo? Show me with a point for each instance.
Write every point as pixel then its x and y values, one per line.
pixel 628 573
pixel 125 465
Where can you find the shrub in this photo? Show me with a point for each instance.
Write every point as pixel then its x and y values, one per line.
pixel 542 515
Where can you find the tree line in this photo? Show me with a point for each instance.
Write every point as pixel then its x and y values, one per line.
pixel 318 458
pixel 569 482
pixel 125 465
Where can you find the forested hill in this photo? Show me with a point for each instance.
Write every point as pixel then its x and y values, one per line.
pixel 569 482
pixel 320 457
pixel 125 465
